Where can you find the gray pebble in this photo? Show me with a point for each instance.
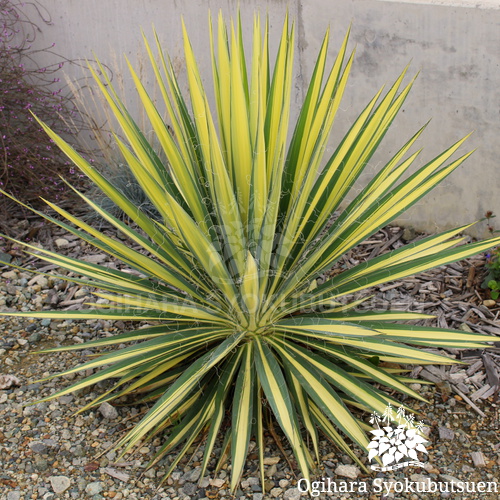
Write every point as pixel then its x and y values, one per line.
pixel 59 483
pixel 450 479
pixel 189 489
pixel 41 464
pixel 193 475
pixel 108 411
pixel 94 488
pixel 271 471
pixel 34 337
pixel 5 257
pixel 45 322
pixel 38 447
pixel 350 471
pixel 79 451
pixel 292 494
pixel 80 484
pixel 151 473
pixel 13 495
pixel 9 275
pixel 36 407
pixel 445 433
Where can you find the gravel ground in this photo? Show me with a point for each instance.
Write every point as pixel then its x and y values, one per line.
pixel 48 452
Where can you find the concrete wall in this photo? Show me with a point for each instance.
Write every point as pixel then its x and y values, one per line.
pixel 454 44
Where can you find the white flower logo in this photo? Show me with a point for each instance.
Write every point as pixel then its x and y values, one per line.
pixel 392 445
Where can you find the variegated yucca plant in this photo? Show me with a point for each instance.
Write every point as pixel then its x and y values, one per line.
pixel 241 326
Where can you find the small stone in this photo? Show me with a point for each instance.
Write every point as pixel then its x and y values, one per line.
pixel 189 489
pixel 478 458
pixel 276 492
pixel 489 303
pixel 80 484
pixel 292 494
pixel 66 434
pixel 271 460
pixel 94 488
pixel 257 496
pixel 144 450
pixel 79 451
pixel 426 431
pixel 40 280
pixel 422 477
pixel 271 471
pixel 5 257
pixel 7 381
pixel 193 475
pixel 61 242
pixel 284 483
pixel 41 464
pixel 45 322
pixel 151 473
pixel 34 337
pixel 445 433
pixel 350 471
pixel 9 275
pixel 59 483
pixel 80 293
pixel 13 495
pixel 108 411
pixel 205 482
pixel 450 479
pixel 38 447
pixel 217 482
pixel 95 259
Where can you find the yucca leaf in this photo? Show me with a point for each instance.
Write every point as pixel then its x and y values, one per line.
pixel 120 338
pixel 276 391
pixel 372 372
pixel 242 414
pixel 301 401
pixel 223 385
pixel 259 432
pixel 328 429
pixel 319 390
pixel 171 400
